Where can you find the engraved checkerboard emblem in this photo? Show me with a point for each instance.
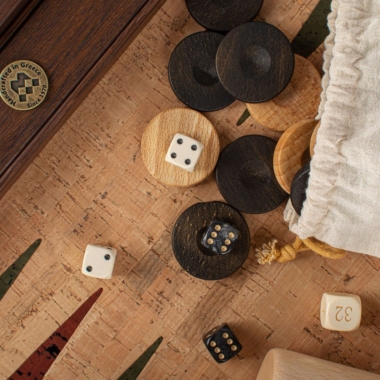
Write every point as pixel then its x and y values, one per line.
pixel 23 85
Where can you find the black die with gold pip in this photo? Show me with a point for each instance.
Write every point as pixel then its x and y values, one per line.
pixel 220 237
pixel 222 343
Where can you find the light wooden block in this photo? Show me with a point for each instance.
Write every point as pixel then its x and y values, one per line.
pixel 281 364
pixel 341 311
pixel 292 152
pixel 159 135
pixel 313 139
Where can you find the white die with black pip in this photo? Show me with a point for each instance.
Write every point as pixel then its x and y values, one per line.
pixel 184 152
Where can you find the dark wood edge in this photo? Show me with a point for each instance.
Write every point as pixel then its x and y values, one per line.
pixel 15 20
pixel 30 152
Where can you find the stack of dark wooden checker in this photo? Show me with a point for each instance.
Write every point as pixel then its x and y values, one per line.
pixel 235 58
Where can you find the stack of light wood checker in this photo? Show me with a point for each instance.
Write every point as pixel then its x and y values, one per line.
pixel 89 185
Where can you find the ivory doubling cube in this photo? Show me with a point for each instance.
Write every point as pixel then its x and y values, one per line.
pixel 184 152
pixel 99 261
pixel 341 311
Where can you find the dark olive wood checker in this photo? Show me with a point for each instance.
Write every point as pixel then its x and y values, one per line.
pixel 299 187
pixel 192 73
pixel 245 175
pixel 195 258
pixel 75 42
pixel 223 15
pixel 255 62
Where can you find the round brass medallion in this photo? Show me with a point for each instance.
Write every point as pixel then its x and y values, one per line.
pixel 23 85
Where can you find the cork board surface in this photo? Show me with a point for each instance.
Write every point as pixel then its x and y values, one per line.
pixel 89 185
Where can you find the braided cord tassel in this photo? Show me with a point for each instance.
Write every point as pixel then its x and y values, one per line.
pixel 270 252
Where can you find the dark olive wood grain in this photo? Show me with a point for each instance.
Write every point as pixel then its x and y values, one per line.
pixel 198 260
pixel 12 14
pixel 223 15
pixel 9 10
pixel 255 62
pixel 75 42
pixel 299 187
pixel 192 73
pixel 245 176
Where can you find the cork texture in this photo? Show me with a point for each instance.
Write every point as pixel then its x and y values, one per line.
pixel 89 185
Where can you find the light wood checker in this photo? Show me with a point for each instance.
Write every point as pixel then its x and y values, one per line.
pixel 299 100
pixel 159 134
pixel 313 139
pixel 288 365
pixel 292 152
pixel 89 185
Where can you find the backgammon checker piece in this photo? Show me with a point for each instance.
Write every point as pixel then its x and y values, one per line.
pixel 192 73
pixel 223 15
pixel 245 176
pixel 180 164
pixel 300 99
pixel 280 364
pixel 202 261
pixel 299 187
pixel 313 139
pixel 255 62
pixel 292 152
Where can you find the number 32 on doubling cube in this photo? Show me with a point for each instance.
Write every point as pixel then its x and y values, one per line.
pixel 340 315
pixel 341 311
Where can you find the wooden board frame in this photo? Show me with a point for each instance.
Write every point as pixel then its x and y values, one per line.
pixel 19 149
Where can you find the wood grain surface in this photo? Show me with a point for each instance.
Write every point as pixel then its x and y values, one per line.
pixel 158 136
pixel 89 185
pixel 288 365
pixel 195 258
pixel 255 62
pixel 300 99
pixel 292 152
pixel 75 42
pixel 9 11
pixel 313 139
pixel 224 15
pixel 192 73
pixel 12 14
pixel 245 175
pixel 299 187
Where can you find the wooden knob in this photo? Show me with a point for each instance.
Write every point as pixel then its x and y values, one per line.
pixel 255 62
pixel 299 187
pixel 158 136
pixel 223 15
pixel 197 260
pixel 292 152
pixel 192 73
pixel 245 175
pixel 300 99
pixel 313 139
